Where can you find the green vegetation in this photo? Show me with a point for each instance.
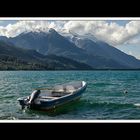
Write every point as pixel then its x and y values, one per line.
pixel 12 63
pixel 13 58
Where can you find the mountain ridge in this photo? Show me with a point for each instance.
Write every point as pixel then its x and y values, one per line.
pixel 13 58
pixel 80 48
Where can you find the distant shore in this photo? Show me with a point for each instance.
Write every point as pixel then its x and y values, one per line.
pixel 71 70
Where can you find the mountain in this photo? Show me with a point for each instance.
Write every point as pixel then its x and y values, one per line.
pixel 45 43
pixel 14 58
pixel 80 48
pixel 52 43
pixel 100 48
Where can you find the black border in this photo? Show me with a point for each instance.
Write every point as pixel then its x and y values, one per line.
pixel 70 130
pixel 71 11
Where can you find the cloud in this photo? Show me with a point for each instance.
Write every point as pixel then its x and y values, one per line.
pixel 130 53
pixel 12 30
pixel 110 32
pixel 134 41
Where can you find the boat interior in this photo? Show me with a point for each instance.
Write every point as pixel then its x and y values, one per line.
pixel 60 90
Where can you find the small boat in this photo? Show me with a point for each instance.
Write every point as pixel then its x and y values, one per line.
pixel 50 98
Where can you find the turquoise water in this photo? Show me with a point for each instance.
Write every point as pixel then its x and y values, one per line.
pixel 104 98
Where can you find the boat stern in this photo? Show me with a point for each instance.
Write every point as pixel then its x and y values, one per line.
pixel 22 102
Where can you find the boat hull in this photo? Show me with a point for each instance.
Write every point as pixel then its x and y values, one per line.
pixel 49 105
pixel 44 104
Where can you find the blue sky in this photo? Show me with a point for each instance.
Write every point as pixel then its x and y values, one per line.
pixel 131 49
pixel 124 34
pixel 120 22
pixel 7 22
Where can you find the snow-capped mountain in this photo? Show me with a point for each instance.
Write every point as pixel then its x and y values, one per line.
pixel 82 48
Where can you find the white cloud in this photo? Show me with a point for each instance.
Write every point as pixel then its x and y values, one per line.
pixel 112 33
pixel 130 53
pixel 12 30
pixel 133 41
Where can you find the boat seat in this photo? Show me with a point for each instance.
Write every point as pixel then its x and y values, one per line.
pixel 69 88
pixel 61 90
pixel 59 94
pixel 48 97
pixel 58 88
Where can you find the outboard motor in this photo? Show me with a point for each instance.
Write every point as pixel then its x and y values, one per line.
pixel 33 96
pixel 22 103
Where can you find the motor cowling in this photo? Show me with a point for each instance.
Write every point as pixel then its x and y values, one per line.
pixel 33 96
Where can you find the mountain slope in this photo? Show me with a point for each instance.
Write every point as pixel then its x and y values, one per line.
pixel 54 43
pixel 84 49
pixel 16 58
pixel 45 43
pixel 100 48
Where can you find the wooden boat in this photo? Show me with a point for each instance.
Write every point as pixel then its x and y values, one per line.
pixel 47 99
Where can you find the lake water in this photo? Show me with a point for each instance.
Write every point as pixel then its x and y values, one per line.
pixel 104 98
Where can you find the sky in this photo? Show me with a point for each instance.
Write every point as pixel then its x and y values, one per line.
pixel 122 34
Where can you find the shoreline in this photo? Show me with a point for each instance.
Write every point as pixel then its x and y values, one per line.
pixel 79 70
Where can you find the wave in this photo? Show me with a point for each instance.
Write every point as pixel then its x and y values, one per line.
pixel 102 84
pixel 137 104
pixel 91 104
